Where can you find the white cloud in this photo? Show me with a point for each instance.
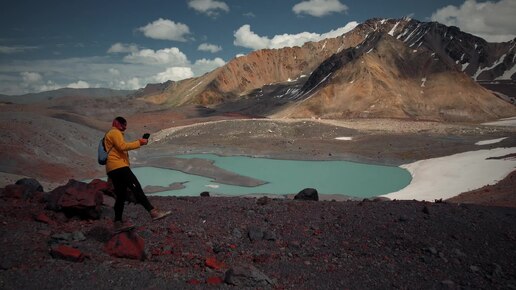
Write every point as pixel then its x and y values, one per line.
pixel 174 74
pixel 209 47
pixel 122 48
pixel 133 84
pixel 15 49
pixel 79 85
pixel 27 76
pixel 167 56
pixel 114 71
pixel 20 77
pixel 49 86
pixel 246 38
pixel 31 77
pixel 339 31
pixel 319 8
pixel 202 66
pixel 165 29
pixel 208 7
pixel 493 21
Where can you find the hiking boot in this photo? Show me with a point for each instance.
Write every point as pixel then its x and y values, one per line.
pixel 120 226
pixel 157 214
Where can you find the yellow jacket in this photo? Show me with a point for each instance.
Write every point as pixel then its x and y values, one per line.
pixel 118 156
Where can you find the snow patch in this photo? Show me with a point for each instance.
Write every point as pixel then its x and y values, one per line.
pixel 446 177
pixel 492 141
pixel 344 138
pixel 423 81
pixel 413 31
pixel 480 70
pixel 391 33
pixel 508 73
pixel 503 122
pixel 324 45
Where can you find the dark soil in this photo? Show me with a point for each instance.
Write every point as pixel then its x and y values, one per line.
pixel 503 193
pixel 296 244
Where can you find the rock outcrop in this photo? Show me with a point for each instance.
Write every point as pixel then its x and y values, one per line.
pixel 76 199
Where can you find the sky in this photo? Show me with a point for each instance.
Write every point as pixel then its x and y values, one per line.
pixel 52 44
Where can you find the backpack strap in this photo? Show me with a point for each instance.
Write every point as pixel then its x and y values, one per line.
pixel 104 145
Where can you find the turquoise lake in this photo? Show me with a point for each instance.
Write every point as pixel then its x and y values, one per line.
pixel 282 177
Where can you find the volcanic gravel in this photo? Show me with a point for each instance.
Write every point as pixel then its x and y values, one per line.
pixel 292 244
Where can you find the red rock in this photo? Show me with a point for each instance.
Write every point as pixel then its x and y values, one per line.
pixel 76 199
pixel 194 282
pixel 156 252
pixel 100 185
pixel 67 253
pixel 42 217
pixel 15 191
pixel 39 197
pixel 212 263
pixel 22 191
pixel 214 280
pixel 126 245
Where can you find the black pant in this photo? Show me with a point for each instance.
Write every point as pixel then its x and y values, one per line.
pixel 123 178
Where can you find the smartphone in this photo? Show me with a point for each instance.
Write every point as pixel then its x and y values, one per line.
pixel 146 136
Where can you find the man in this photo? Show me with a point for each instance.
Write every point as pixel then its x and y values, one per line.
pixel 118 170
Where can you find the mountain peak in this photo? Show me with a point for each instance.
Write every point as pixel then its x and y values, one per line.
pixel 400 68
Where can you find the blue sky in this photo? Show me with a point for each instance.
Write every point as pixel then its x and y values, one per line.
pixel 52 44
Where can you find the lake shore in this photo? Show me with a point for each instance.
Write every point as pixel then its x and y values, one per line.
pixel 372 141
pixel 418 146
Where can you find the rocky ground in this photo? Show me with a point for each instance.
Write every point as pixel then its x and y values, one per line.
pixel 259 243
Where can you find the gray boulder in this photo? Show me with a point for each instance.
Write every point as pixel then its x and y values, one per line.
pixel 307 194
pixel 30 183
pixel 247 276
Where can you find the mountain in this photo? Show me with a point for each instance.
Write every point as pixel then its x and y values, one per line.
pixel 475 56
pixel 399 68
pixel 64 92
pixel 384 78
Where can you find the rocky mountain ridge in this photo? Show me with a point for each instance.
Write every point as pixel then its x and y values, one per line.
pixel 476 57
pixel 384 78
pixel 272 74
